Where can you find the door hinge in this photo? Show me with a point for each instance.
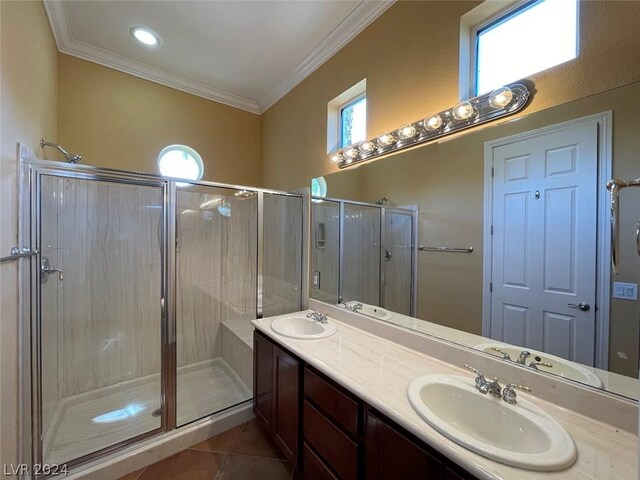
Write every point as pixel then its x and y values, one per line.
pixel 491 229
pixel 490 287
pixel 492 172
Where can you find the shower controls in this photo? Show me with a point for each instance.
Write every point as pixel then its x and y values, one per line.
pixel 47 269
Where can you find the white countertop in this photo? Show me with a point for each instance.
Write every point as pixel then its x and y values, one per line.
pixel 379 372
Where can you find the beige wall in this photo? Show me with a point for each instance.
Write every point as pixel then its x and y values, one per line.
pixel 120 121
pixel 28 84
pixel 409 57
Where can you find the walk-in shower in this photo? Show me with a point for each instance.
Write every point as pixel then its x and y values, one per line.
pixel 139 301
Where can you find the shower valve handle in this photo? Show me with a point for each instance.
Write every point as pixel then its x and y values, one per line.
pixel 47 269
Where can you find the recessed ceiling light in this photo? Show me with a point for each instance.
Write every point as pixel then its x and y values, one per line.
pixel 145 36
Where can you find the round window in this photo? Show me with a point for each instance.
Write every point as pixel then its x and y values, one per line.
pixel 180 161
pixel 318 187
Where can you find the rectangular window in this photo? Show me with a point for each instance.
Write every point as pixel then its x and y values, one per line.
pixel 353 121
pixel 534 37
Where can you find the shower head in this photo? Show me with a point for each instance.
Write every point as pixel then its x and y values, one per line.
pixel 382 201
pixel 69 157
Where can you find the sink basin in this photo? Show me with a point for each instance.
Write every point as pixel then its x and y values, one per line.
pixel 371 310
pixel 302 327
pixel 561 367
pixel 520 435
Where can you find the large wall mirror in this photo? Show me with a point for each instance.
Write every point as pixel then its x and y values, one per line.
pixel 499 239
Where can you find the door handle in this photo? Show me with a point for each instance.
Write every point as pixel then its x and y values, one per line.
pixel 585 307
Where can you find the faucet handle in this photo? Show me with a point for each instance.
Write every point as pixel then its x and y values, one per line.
pixel 509 392
pixel 535 365
pixel 505 355
pixel 481 381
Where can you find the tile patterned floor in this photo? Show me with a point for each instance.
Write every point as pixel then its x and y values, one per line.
pixel 242 453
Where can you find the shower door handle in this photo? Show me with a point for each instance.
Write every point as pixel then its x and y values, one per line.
pixel 47 269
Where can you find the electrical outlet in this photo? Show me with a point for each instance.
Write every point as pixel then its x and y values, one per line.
pixel 316 279
pixel 625 291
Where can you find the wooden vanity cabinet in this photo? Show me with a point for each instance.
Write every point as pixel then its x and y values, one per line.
pixel 276 401
pixel 391 452
pixel 327 433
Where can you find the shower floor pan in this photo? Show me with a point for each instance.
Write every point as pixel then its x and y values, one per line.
pixel 91 421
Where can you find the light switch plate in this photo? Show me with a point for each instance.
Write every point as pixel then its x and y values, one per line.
pixel 316 279
pixel 625 291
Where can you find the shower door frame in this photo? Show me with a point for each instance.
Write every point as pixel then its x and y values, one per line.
pixel 30 172
pixel 412 210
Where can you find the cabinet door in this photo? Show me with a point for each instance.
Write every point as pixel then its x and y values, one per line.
pixel 286 398
pixel 263 379
pixel 389 454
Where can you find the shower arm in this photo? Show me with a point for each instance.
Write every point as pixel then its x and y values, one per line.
pixel 69 157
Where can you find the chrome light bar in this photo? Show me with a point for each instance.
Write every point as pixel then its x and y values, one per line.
pixel 500 103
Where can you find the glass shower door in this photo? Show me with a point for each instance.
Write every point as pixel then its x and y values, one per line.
pixel 216 282
pixel 100 316
pixel 361 261
pixel 398 261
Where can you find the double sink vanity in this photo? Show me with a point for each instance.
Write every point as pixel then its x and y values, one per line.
pixel 346 396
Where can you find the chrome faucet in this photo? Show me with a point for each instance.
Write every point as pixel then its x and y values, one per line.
pixel 522 358
pixel 483 385
pixel 509 393
pixel 317 316
pixel 353 308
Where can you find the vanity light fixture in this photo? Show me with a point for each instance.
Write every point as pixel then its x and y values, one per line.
pixel 501 102
pixel 145 36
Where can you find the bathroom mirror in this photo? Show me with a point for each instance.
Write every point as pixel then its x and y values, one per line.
pixel 541 282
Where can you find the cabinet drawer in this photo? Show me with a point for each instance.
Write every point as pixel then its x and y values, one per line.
pixel 339 407
pixel 313 467
pixel 333 446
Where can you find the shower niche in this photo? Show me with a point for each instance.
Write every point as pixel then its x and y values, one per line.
pixel 139 301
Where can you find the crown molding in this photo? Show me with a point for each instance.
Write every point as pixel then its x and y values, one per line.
pixel 68 45
pixel 359 18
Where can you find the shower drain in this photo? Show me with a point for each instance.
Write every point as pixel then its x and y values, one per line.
pixel 157 412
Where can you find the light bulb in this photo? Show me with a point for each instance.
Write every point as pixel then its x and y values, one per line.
pixel 367 146
pixel 145 35
pixel 350 153
pixel 407 131
pixel 335 158
pixel 434 122
pixel 386 140
pixel 501 97
pixel 463 111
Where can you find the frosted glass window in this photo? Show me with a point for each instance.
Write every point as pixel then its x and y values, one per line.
pixel 536 37
pixel 180 161
pixel 353 122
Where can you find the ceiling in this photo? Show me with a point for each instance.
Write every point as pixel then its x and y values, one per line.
pixel 247 54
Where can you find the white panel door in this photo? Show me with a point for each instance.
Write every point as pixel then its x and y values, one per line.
pixel 544 243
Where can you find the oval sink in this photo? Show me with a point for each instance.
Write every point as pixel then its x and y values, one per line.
pixel 303 327
pixel 520 435
pixel 561 367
